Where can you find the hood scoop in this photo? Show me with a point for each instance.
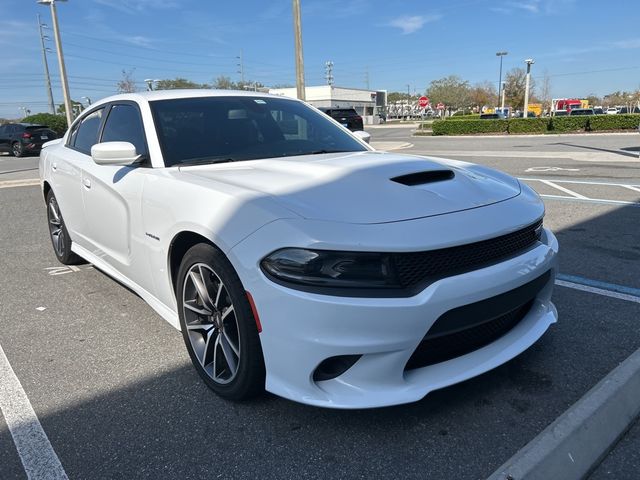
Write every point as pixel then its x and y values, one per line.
pixel 421 178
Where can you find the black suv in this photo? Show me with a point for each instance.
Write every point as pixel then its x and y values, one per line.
pixel 348 117
pixel 21 139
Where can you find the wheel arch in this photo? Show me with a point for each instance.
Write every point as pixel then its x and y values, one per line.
pixel 46 188
pixel 178 247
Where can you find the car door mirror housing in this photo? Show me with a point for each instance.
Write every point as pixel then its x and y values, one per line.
pixel 115 153
pixel 362 135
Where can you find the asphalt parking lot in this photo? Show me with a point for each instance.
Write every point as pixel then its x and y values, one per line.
pixel 113 389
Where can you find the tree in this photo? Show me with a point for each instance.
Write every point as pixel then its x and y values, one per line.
pixel 179 83
pixel 515 81
pixel 76 106
pixel 393 97
pixel 127 84
pixel 593 99
pixel 483 94
pixel 225 83
pixel 545 91
pixel 454 92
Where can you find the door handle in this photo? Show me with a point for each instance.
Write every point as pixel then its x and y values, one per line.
pixel 87 183
pixel 54 166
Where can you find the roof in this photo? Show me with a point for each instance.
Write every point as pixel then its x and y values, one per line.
pixel 184 93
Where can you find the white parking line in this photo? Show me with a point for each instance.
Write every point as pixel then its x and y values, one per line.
pixel 631 187
pixel 581 182
pixel 28 182
pixel 563 189
pixel 36 453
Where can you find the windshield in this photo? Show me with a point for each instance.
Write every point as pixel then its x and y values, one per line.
pixel 210 129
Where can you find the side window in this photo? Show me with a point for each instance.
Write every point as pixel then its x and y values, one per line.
pixel 87 134
pixel 125 125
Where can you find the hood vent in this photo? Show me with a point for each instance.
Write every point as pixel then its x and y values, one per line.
pixel 420 178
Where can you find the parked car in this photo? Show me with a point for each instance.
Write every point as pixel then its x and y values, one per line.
pixel 560 113
pixel 347 117
pixel 581 111
pixel 492 116
pixel 598 111
pixel 611 111
pixel 529 114
pixel 20 139
pixel 291 255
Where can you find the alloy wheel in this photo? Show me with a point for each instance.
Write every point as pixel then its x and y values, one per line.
pixel 211 323
pixel 56 226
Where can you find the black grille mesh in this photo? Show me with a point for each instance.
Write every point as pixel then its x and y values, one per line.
pixel 420 267
pixel 443 348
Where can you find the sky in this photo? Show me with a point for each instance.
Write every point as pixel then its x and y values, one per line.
pixel 584 46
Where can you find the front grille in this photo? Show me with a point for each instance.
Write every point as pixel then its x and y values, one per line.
pixel 473 326
pixel 421 268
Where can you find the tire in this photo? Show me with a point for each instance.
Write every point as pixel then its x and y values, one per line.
pixel 17 150
pixel 60 240
pixel 219 331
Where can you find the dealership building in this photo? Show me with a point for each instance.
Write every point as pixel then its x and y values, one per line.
pixel 368 103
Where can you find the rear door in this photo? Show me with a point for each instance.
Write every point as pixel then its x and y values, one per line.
pixel 66 173
pixel 4 145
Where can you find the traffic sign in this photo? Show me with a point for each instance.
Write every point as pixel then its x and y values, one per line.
pixel 440 106
pixel 423 101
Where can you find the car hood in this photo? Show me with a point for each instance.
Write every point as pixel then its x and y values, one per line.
pixel 365 187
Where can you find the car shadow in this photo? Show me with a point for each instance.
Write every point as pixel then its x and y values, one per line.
pixel 626 153
pixel 168 424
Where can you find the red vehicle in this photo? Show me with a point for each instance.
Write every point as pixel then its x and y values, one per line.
pixel 565 104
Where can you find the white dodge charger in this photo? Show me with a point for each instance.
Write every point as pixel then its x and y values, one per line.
pixel 294 257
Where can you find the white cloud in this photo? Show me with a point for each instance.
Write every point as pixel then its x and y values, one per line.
pixel 412 23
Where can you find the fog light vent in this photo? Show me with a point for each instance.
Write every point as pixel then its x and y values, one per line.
pixel 333 367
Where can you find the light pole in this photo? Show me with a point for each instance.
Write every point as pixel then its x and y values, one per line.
pixel 63 71
pixel 500 85
pixel 297 29
pixel 529 62
pixel 504 84
pixel 47 77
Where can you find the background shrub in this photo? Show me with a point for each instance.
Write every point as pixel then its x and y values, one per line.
pixel 528 125
pixel 614 122
pixel 447 127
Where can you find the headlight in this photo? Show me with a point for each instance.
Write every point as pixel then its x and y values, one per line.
pixel 331 269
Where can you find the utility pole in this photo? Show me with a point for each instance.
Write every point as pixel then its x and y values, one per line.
pixel 328 72
pixel 529 62
pixel 297 28
pixel 500 84
pixel 63 71
pixel 240 66
pixel 47 77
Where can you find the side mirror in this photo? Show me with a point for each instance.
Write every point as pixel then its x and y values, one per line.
pixel 114 153
pixel 362 135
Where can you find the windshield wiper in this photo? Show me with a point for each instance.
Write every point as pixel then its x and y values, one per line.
pixel 205 161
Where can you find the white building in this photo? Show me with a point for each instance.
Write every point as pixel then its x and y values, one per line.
pixel 368 103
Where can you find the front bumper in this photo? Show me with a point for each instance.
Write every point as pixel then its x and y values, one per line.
pixel 300 330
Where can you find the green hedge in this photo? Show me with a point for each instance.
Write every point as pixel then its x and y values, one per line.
pixel 586 123
pixel 528 125
pixel 447 127
pixel 57 123
pixel 614 122
pixel 578 123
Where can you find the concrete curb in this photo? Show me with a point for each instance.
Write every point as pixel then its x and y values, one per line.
pixel 576 442
pixel 539 135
